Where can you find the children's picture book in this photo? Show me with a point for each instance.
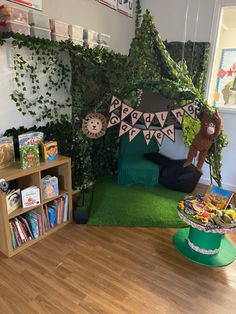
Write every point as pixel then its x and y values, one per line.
pixel 7 153
pixel 30 196
pixel 29 156
pixel 218 196
pixel 50 187
pixel 31 138
pixel 50 151
pixel 13 199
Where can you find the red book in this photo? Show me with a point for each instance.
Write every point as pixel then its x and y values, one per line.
pixel 18 238
pixel 47 217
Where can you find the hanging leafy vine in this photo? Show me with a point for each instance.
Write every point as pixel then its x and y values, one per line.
pixel 41 77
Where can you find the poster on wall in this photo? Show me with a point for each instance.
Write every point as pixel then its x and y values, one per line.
pixel 110 3
pixel 126 7
pixel 35 4
pixel 225 93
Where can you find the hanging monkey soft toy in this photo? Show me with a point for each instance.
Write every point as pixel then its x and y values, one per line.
pixel 210 129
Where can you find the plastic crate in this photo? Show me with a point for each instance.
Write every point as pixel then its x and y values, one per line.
pixel 78 42
pixel 15 28
pixel 40 32
pixel 58 37
pixel 9 13
pixel 76 32
pixel 90 36
pixel 104 39
pixel 58 27
pixel 39 19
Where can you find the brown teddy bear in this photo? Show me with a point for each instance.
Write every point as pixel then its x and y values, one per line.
pixel 210 129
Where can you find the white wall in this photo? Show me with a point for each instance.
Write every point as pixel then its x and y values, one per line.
pixel 171 15
pixel 94 15
pixel 87 13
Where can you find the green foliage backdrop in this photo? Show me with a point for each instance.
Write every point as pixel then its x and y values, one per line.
pixel 98 74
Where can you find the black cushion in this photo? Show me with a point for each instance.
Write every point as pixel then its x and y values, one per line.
pixel 173 175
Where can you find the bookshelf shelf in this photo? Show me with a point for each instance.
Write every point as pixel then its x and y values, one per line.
pixel 25 178
pixel 20 211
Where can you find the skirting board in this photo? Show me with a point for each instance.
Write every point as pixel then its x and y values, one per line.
pixel 226 186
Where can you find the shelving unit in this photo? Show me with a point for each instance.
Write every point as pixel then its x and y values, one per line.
pixel 25 178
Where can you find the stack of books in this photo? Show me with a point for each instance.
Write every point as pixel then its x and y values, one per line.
pixel 25 228
pixel 56 212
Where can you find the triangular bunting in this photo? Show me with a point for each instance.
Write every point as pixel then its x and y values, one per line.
pixel 125 111
pixel 133 133
pixel 114 119
pixel 161 116
pixel 190 109
pixel 159 136
pixel 148 134
pixel 169 131
pixel 115 103
pixel 179 114
pixel 148 117
pixel 124 127
pixel 135 115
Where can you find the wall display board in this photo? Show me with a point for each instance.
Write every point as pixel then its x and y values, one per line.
pixel 35 4
pixel 110 3
pixel 126 7
pixel 225 94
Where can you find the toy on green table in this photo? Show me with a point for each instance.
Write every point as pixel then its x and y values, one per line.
pixel 208 211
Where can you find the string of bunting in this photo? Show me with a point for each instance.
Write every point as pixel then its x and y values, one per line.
pixel 119 111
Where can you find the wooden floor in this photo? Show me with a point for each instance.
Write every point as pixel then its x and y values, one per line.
pixel 84 269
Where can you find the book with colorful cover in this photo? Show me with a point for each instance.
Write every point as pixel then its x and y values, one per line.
pixel 31 138
pixel 52 217
pixel 13 237
pixel 13 200
pixel 29 156
pixel 50 151
pixel 33 223
pixel 50 187
pixel 7 153
pixel 30 196
pixel 218 196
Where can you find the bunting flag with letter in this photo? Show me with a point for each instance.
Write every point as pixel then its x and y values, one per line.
pixel 135 116
pixel 190 109
pixel 179 114
pixel 159 137
pixel 124 127
pixel 161 116
pixel 169 131
pixel 125 111
pixel 148 134
pixel 133 129
pixel 114 119
pixel 133 133
pixel 115 103
pixel 148 117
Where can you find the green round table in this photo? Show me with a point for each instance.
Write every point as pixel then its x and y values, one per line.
pixel 203 246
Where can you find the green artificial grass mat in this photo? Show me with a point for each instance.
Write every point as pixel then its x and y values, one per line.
pixel 134 206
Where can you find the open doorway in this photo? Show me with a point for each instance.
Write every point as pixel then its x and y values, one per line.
pixel 222 87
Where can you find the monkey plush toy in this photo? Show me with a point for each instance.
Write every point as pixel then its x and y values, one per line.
pixel 210 129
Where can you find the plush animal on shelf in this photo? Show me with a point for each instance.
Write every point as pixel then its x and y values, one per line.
pixel 210 129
